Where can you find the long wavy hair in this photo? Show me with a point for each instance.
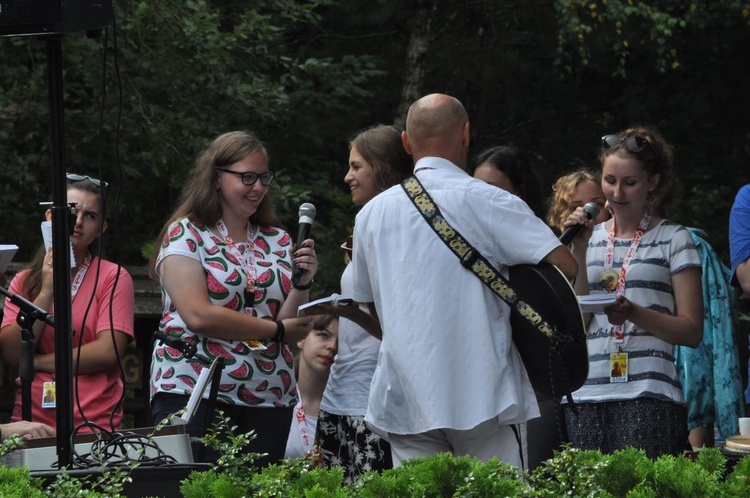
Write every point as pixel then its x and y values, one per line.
pixel 200 201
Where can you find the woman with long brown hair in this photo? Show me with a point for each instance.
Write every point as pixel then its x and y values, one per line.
pixel 632 396
pixel 377 161
pixel 225 269
pixel 102 319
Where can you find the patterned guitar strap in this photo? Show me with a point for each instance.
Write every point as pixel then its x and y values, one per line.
pixel 473 260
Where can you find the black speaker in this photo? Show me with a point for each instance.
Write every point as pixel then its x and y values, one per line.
pixel 53 17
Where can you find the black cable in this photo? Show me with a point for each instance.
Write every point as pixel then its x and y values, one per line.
pixel 116 212
pixel 517 433
pixel 111 449
pixel 115 225
pixel 103 200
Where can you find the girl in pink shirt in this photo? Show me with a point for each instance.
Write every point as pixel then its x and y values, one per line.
pixel 102 320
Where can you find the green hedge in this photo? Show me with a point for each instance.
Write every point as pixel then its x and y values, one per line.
pixel 572 472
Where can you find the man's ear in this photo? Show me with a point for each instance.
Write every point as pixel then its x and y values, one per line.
pixel 104 227
pixel 405 141
pixel 48 215
pixel 465 136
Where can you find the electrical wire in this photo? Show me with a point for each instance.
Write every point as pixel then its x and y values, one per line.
pixel 115 227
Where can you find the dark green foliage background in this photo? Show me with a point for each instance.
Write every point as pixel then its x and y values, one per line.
pixel 550 76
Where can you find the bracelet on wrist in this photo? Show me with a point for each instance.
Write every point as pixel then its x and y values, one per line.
pixel 280 332
pixel 307 286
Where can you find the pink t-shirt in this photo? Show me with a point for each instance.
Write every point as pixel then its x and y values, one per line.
pixel 98 392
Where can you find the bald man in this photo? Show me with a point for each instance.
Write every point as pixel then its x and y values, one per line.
pixel 448 377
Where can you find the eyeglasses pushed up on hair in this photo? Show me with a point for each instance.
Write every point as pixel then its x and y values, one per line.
pixel 249 178
pixel 74 177
pixel 633 143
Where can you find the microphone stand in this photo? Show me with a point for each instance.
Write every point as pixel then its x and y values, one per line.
pixel 27 315
pixel 191 351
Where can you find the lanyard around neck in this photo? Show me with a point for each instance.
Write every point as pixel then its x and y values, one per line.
pixel 246 258
pixel 75 284
pixel 619 289
pixel 304 433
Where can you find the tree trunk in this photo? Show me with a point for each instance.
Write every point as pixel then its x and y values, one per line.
pixel 416 58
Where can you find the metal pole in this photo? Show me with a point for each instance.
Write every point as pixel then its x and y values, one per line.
pixel 61 256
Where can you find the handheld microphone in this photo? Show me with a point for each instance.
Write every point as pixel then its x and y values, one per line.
pixel 592 211
pixel 306 216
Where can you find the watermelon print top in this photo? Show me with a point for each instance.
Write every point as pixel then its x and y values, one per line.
pixel 250 378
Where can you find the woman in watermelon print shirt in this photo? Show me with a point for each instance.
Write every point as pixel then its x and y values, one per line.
pixel 225 273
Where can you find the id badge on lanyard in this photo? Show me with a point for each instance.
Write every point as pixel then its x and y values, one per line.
pixel 618 363
pixel 49 395
pixel 614 282
pixel 246 260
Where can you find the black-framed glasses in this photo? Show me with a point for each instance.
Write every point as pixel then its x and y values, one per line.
pixel 249 178
pixel 633 143
pixel 74 177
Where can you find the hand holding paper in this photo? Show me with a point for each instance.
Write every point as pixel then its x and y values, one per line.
pixel 595 303
pixel 47 236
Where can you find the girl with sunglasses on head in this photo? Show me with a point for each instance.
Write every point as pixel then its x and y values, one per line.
pixel 102 320
pixel 225 270
pixel 377 161
pixel 632 396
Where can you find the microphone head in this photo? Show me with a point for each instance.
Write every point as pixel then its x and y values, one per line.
pixel 307 210
pixel 592 210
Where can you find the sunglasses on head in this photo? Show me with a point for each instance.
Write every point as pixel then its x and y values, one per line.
pixel 73 177
pixel 250 178
pixel 633 143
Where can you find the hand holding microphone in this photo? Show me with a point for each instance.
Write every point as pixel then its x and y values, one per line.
pixel 591 209
pixel 305 255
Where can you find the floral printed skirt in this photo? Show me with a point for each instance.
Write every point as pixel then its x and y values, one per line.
pixel 345 441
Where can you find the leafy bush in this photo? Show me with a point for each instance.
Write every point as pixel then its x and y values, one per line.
pixel 624 471
pixel 571 472
pixel 738 482
pixel 14 482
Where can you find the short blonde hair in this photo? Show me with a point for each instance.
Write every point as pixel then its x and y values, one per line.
pixel 563 190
